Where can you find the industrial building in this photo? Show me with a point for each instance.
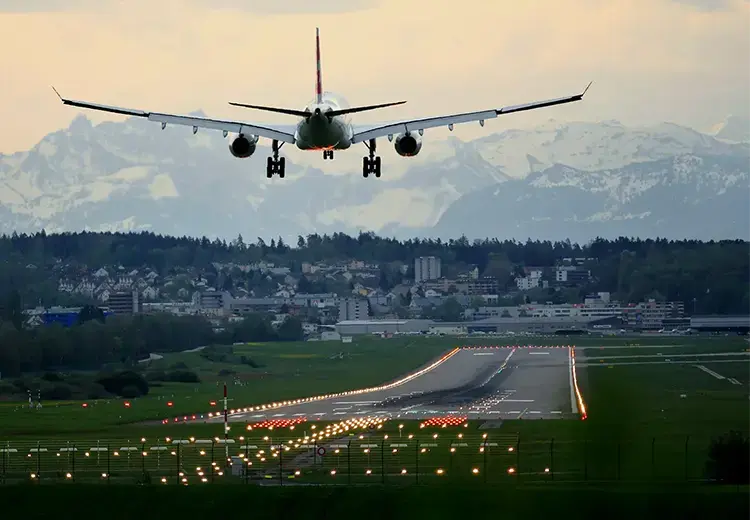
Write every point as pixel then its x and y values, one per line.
pixel 493 325
pixel 426 268
pixel 738 324
pixel 125 303
pixel 353 309
pixel 359 327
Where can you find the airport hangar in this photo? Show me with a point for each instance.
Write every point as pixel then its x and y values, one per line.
pixel 727 324
pixel 490 325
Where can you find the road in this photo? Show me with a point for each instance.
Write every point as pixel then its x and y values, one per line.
pixel 479 383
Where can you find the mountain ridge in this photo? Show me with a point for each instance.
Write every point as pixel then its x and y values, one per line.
pixel 130 175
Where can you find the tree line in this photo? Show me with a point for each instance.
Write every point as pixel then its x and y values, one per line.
pixel 124 340
pixel 711 276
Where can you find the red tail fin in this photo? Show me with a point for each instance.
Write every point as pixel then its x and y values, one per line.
pixel 319 82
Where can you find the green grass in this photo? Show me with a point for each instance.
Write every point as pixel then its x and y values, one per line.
pixel 288 370
pixel 639 427
pixel 364 503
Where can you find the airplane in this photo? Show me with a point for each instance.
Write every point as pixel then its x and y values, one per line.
pixel 323 125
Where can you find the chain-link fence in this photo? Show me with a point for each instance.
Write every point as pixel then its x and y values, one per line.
pixel 356 459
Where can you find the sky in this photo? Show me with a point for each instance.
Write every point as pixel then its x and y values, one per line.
pixel 684 61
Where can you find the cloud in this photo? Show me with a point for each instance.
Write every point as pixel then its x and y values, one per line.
pixel 708 5
pixel 253 6
pixel 650 61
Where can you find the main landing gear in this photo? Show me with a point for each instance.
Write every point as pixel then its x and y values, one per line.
pixel 371 164
pixel 276 164
pixel 327 154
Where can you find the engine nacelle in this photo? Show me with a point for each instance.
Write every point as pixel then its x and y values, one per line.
pixel 408 144
pixel 243 146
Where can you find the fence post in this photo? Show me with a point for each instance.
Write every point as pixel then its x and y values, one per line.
pixel 281 464
pixel 382 461
pixel 416 452
pixel 484 462
pixel 687 474
pixel 109 468
pixel 73 470
pixel 247 462
pixel 349 461
pixel 143 459
pixel 5 454
pixel 213 468
pixel 552 459
pixel 586 459
pixel 38 460
pixel 619 445
pixel 179 445
pixel 653 458
pixel 518 459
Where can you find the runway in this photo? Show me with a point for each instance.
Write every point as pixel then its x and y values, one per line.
pixel 476 382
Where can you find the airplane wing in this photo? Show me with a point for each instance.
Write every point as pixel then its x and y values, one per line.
pixel 281 133
pixel 371 132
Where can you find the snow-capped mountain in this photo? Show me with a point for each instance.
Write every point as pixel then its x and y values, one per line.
pixel 735 129
pixel 131 175
pixel 685 196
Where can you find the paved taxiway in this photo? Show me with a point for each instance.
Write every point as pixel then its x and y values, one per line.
pixel 480 383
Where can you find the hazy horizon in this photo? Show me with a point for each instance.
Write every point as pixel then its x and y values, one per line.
pixel 665 60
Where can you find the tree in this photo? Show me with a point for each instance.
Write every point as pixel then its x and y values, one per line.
pixel 450 310
pixel 12 310
pixel 401 312
pixel 291 329
pixel 476 302
pixel 284 308
pixel 728 459
pixel 90 312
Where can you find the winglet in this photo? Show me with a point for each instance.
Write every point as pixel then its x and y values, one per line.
pixel 586 89
pixel 58 94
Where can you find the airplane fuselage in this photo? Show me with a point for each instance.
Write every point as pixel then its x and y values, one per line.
pixel 319 132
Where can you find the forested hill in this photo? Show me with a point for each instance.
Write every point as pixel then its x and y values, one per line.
pixel 714 272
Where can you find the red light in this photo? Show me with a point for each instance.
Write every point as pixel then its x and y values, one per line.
pixel 212 403
pixel 451 420
pixel 127 404
pixel 278 423
pixel 85 405
pixel 170 403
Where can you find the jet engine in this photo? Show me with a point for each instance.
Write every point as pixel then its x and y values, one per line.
pixel 408 144
pixel 243 146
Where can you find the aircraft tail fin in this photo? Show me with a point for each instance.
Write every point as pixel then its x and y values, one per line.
pixel 319 79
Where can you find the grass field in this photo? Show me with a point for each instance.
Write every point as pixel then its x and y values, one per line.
pixel 645 422
pixel 364 503
pixel 287 370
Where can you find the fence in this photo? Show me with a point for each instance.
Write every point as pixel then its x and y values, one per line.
pixel 356 459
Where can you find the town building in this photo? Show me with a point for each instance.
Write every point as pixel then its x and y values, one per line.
pixel 426 268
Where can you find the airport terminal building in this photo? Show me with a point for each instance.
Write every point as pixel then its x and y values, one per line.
pixel 533 325
pixel 738 324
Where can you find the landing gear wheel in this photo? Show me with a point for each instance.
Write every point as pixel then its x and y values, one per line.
pixel 275 163
pixel 371 164
pixel 327 154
